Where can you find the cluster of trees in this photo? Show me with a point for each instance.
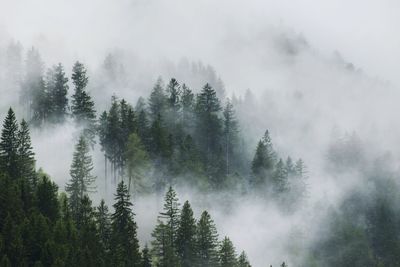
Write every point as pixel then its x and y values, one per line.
pixel 183 134
pixel 285 180
pixel 44 96
pixel 188 137
pixel 41 227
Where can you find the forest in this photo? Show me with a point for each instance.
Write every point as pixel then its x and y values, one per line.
pixel 154 133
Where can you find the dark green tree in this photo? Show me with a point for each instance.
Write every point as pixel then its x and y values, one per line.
pixel 81 181
pixel 58 91
pixel 227 254
pixel 231 130
pixel 242 260
pixel 124 242
pixel 157 100
pixel 26 155
pixel 186 237
pixel 9 146
pixel 207 241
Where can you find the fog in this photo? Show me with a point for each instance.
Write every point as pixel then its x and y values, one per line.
pixel 317 70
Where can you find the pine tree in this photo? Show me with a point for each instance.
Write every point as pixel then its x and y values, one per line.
pixel 230 136
pixel 9 146
pixel 207 241
pixel 26 155
pixel 280 183
pixel 227 254
pixel 186 237
pixel 89 251
pixel 173 100
pixel 187 107
pixel 157 100
pixel 58 90
pixel 124 243
pixel 136 162
pixel 146 259
pixel 47 199
pixel 81 181
pixel 103 221
pixel 165 233
pixel 82 105
pixel 243 261
pixel 263 162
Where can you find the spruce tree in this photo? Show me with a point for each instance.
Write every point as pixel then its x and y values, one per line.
pixel 47 199
pixel 207 241
pixel 9 146
pixel 186 237
pixel 81 181
pixel 26 155
pixel 227 254
pixel 103 221
pixel 280 183
pixel 146 258
pixel 263 162
pixel 187 107
pixel 124 242
pixel 157 101
pixel 136 162
pixel 230 136
pixel 165 233
pixel 242 260
pixel 58 91
pixel 82 105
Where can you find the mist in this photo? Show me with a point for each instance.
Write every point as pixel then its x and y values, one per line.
pixel 310 72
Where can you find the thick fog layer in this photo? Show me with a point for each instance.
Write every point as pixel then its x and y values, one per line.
pixel 311 72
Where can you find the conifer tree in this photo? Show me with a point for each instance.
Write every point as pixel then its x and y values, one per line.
pixel 58 91
pixel 81 181
pixel 227 254
pixel 187 107
pixel 263 162
pixel 280 183
pixel 124 243
pixel 26 155
pixel 207 241
pixel 173 100
pixel 230 135
pixel 186 237
pixel 82 105
pixel 146 259
pixel 136 162
pixel 47 199
pixel 165 233
pixel 157 101
pixel 9 146
pixel 243 261
pixel 103 221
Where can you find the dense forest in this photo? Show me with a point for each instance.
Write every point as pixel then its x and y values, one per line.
pixel 199 133
pixel 175 137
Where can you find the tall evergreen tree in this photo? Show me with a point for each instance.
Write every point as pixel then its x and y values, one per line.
pixel 103 221
pixel 9 146
pixel 230 136
pixel 187 107
pixel 186 237
pixel 243 261
pixel 165 234
pixel 157 100
pixel 124 242
pixel 207 241
pixel 58 91
pixel 146 259
pixel 81 181
pixel 263 162
pixel 82 105
pixel 26 155
pixel 227 254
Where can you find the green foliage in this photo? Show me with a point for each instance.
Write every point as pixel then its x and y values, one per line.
pixel 207 241
pixel 81 181
pixel 227 254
